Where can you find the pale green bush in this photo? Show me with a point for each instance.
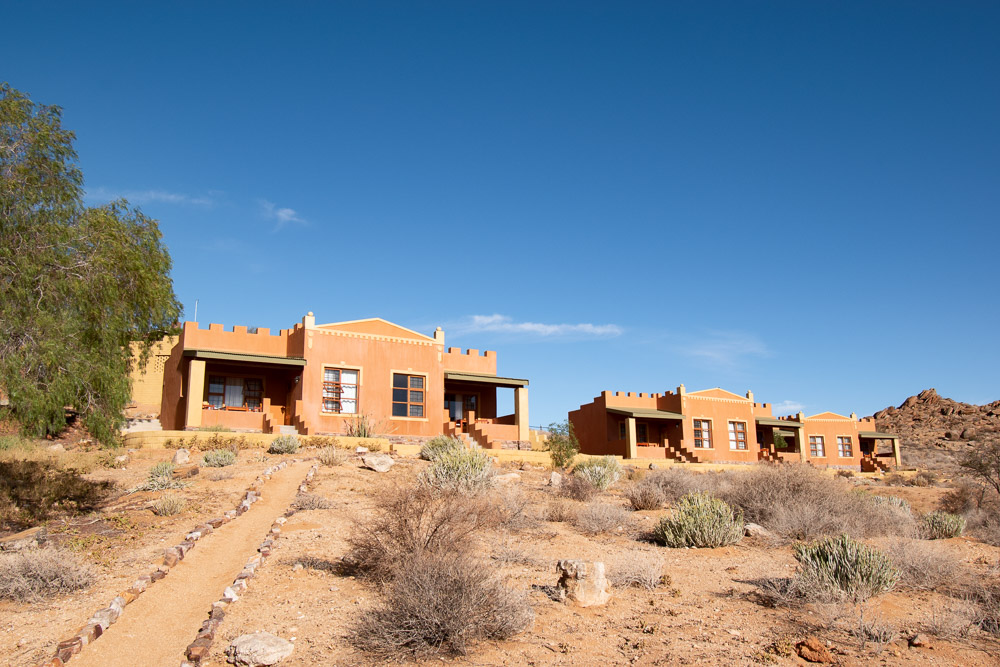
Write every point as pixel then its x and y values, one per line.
pixel 841 567
pixel 939 525
pixel 167 505
pixel 161 476
pixel 891 502
pixel 219 458
pixel 469 471
pixel 602 472
pixel 442 444
pixel 332 456
pixel 699 520
pixel 285 444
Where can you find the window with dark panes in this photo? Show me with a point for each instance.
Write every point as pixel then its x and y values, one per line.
pixel 407 395
pixel 641 433
pixel 216 391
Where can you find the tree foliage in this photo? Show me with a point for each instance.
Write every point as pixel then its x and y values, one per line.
pixel 78 285
pixel 562 444
pixel 983 462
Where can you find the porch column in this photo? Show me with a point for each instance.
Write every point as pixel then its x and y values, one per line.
pixel 800 440
pixel 521 412
pixel 633 447
pixel 195 392
pixel 895 452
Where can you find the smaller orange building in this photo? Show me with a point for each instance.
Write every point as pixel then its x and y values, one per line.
pixel 715 425
pixel 315 378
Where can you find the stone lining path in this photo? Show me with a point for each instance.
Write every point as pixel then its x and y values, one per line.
pixel 156 629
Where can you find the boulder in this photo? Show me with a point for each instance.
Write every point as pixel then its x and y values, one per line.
pixel 57 448
pixel 555 479
pixel 920 641
pixel 26 539
pixel 182 457
pixel 812 650
pixel 583 582
pixel 756 530
pixel 378 462
pixel 260 648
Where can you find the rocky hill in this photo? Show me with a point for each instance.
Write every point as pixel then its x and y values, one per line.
pixel 935 430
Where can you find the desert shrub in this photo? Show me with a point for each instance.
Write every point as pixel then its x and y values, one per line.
pixel 841 567
pixel 800 502
pixel 218 458
pixel 216 429
pixel 964 497
pixel 510 509
pixel 602 472
pixel 595 518
pixel 638 569
pixel 111 458
pixel 161 476
pixel 440 603
pixel 35 574
pixel 560 510
pixel 219 475
pixel 845 473
pixel 332 456
pixel 411 521
pixel 323 441
pixel 311 501
pixel 11 441
pixel 925 478
pixel 645 495
pixel 284 444
pixel 699 520
pixel 442 444
pixel 562 444
pixel 892 502
pixel 167 505
pixel 578 488
pixel 894 479
pixel 939 525
pixel 676 482
pixel 366 426
pixel 469 471
pixel 924 566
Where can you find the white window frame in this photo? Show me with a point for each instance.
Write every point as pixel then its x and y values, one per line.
pixel 819 446
pixel 357 397
pixel 706 433
pixel 734 440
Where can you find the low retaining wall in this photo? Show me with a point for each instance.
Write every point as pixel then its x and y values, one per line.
pixel 200 439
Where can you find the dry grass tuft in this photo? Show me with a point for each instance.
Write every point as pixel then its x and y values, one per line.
pixel 596 518
pixel 167 505
pixel 440 603
pixel 36 574
pixel 577 488
pixel 311 501
pixel 332 456
pixel 925 566
pixel 645 495
pixel 560 510
pixel 412 521
pixel 638 569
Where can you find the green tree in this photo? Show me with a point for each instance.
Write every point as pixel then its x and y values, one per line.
pixel 78 285
pixel 562 444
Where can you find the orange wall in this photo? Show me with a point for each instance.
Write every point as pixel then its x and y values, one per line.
pixel 377 362
pixel 720 411
pixel 830 428
pixel 471 361
pixel 238 340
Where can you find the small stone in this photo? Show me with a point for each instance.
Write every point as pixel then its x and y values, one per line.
pixel 229 595
pixel 920 641
pixel 555 479
pixel 181 457
pixel 297 567
pixel 756 530
pixel 260 648
pixel 361 450
pixel 183 472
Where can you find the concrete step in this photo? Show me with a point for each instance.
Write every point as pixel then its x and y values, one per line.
pixel 287 430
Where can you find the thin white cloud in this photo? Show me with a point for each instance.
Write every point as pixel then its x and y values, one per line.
pixel 503 324
pixel 787 408
pixel 724 348
pixel 281 216
pixel 141 197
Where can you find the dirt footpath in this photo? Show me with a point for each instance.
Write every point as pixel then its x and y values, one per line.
pixel 157 627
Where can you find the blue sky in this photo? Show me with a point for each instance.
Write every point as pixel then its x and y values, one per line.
pixel 797 198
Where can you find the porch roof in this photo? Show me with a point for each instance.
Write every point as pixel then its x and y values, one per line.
pixel 484 378
pixel 645 413
pixel 878 435
pixel 260 359
pixel 770 421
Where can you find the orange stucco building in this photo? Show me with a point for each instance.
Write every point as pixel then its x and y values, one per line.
pixel 715 425
pixel 313 378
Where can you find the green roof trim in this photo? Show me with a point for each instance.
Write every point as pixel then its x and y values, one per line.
pixel 877 435
pixel 265 359
pixel 646 413
pixel 485 378
pixel 770 421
